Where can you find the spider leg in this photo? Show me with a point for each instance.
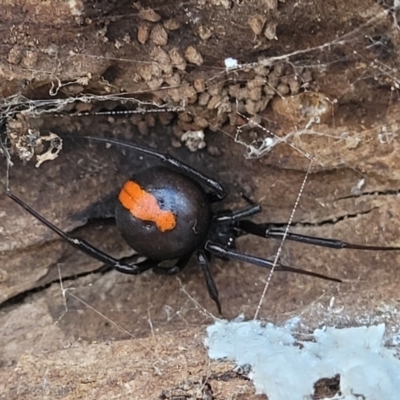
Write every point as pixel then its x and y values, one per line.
pixel 223 252
pixel 239 214
pixel 84 246
pixel 211 287
pixel 218 192
pixel 175 269
pixel 265 230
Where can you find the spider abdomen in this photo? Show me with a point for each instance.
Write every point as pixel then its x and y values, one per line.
pixel 163 214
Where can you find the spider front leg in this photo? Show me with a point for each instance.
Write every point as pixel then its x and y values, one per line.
pixel 217 191
pixel 267 231
pixel 85 247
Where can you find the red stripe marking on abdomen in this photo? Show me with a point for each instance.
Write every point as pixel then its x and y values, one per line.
pixel 144 206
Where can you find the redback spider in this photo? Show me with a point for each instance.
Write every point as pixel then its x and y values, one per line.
pixel 164 213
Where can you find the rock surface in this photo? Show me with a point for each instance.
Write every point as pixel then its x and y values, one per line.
pixel 322 83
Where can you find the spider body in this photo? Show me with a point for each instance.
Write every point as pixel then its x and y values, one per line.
pixel 165 213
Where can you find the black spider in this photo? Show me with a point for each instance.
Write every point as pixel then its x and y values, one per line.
pixel 164 213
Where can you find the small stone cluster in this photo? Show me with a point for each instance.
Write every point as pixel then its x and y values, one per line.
pixel 213 98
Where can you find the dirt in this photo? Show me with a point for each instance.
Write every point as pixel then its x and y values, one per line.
pixel 60 307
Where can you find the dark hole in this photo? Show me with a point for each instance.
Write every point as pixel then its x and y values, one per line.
pixel 326 387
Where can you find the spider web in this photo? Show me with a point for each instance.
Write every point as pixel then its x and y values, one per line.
pixel 302 132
